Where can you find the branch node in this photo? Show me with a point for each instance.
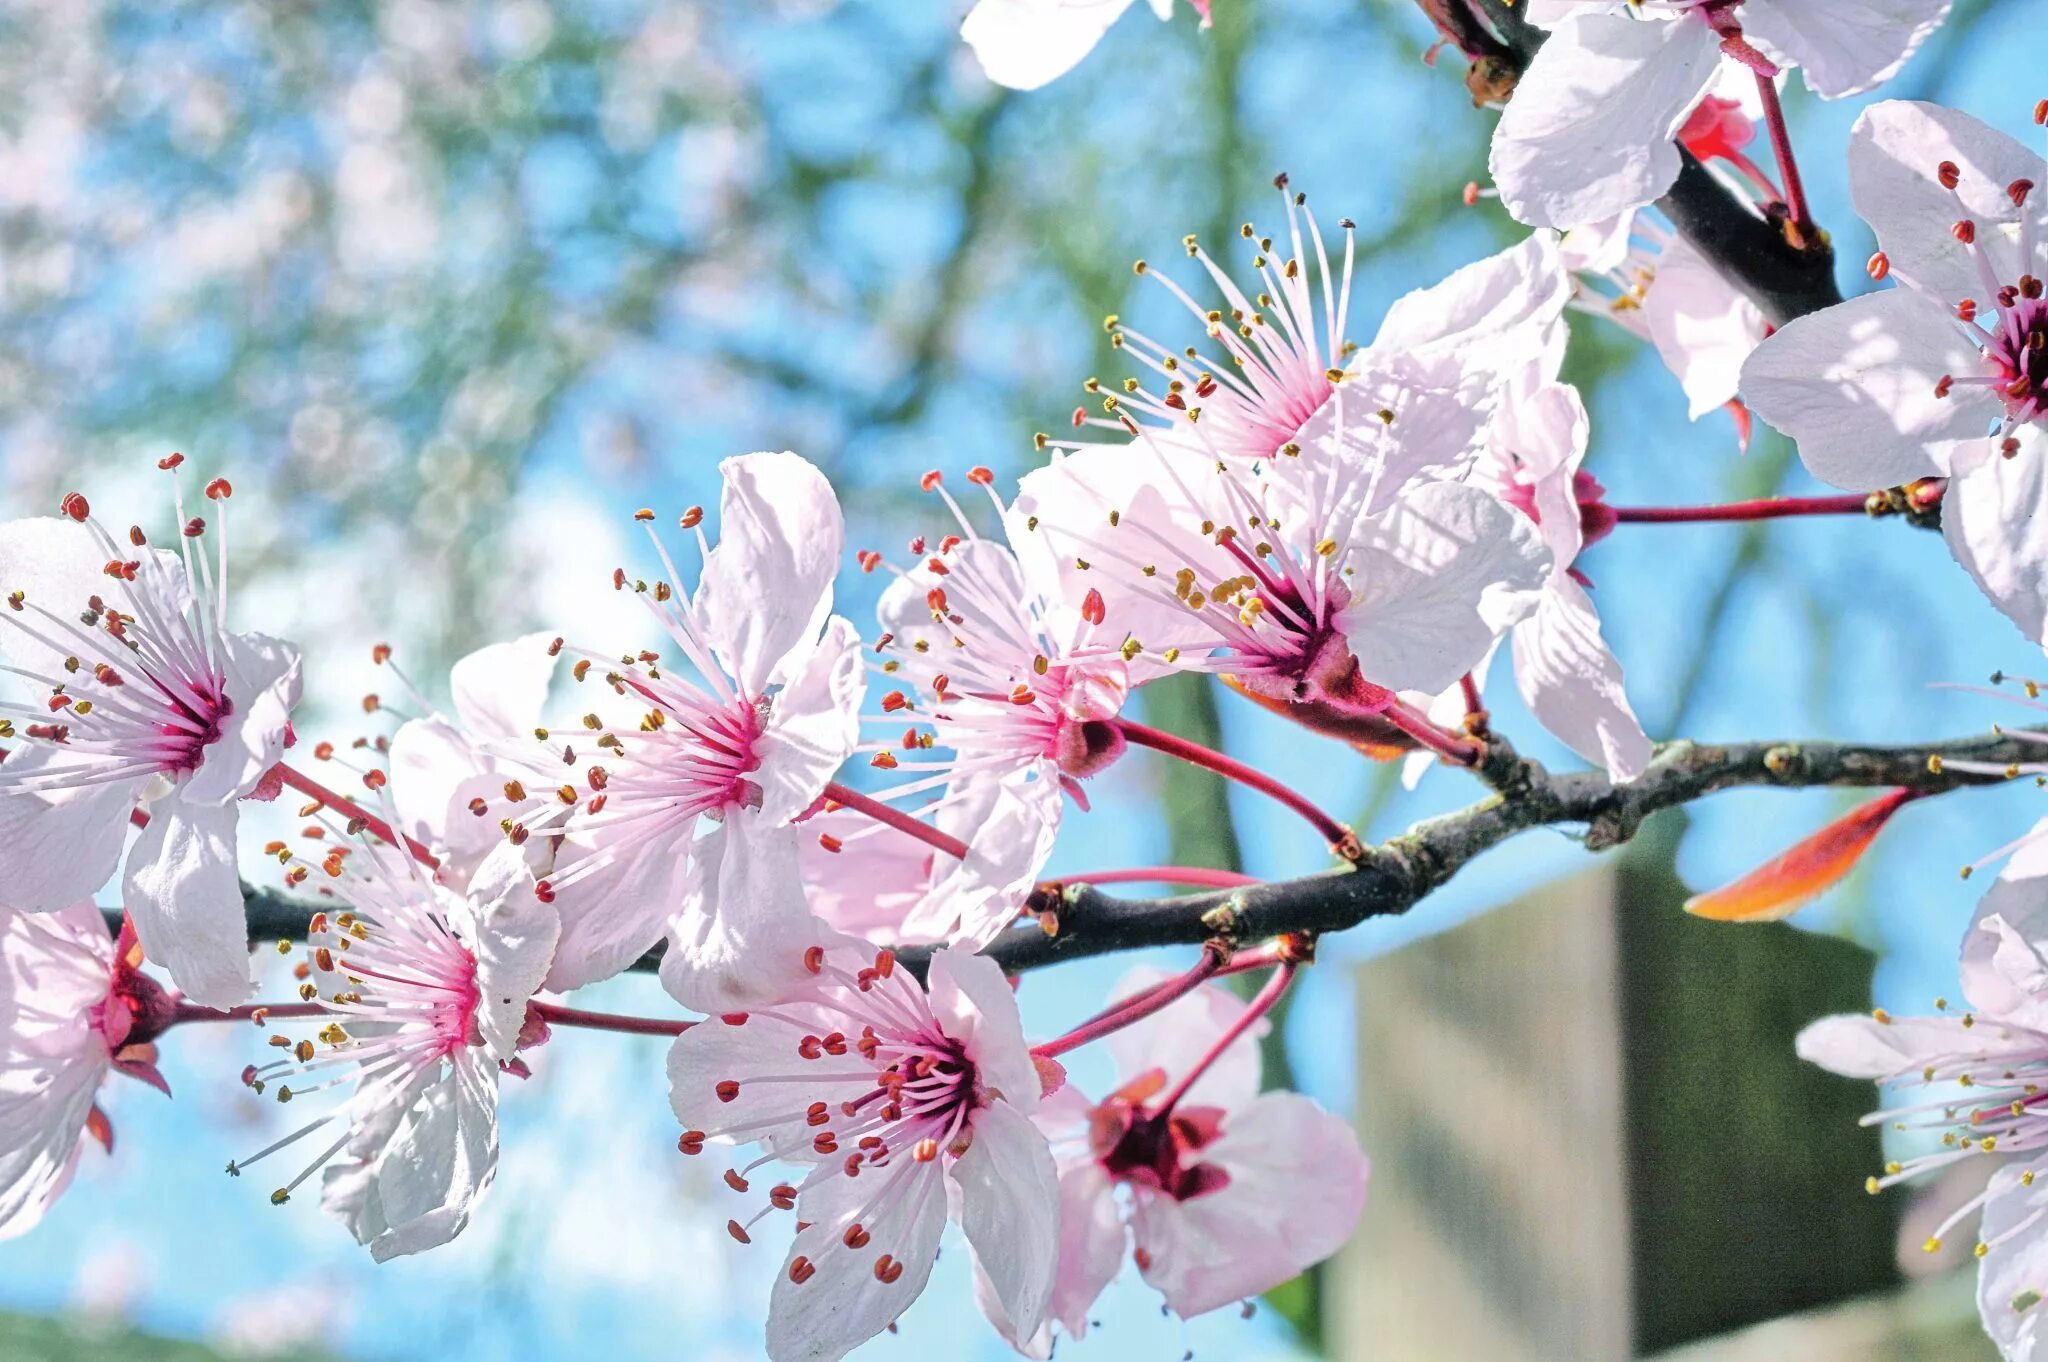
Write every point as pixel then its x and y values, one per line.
pixel 1225 922
pixel 1782 760
pixel 1350 848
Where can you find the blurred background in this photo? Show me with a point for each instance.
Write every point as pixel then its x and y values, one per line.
pixel 449 287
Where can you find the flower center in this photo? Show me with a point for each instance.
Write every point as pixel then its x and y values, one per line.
pixel 1158 1150
pixel 2018 351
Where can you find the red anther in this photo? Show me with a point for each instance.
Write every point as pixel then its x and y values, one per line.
pixel 372 703
pixel 596 804
pixel 1949 173
pixel 925 1150
pixel 645 513
pixel 939 684
pixel 248 1075
pixel 830 843
pixel 727 1090
pixel 852 1165
pixel 136 536
pixel 1471 194
pixel 1880 265
pixel 949 543
pixel 979 476
pixel 374 779
pixel 517 835
pixel 1141 1257
pixel 800 1270
pixel 1966 310
pixel 323 960
pixel 936 567
pixel 479 807
pixel 892 1112
pixel 917 545
pixel 597 777
pixel 1022 694
pixel 734 1180
pixel 618 579
pixel 106 675
pixel 929 481
pixel 817 1114
pixel 2030 287
pixel 380 654
pixel 868 559
pixel 835 1044
pixel 936 599
pixel 885 965
pixel 195 527
pixel 167 464
pixel 1944 385
pixel 544 891
pixel 2018 190
pixel 867 1045
pixel 1080 417
pixel 894 701
pixel 737 1231
pixel 692 518
pixel 733 1018
pixel 220 489
pixel 75 505
pixel 2041 112
pixel 855 1236
pixel 889 1275
pixel 50 732
pixel 810 1047
pixel 825 1142
pixel 1206 386
pixel 883 761
pixel 2009 448
pixel 814 959
pixel 782 1196
pixel 1965 231
pixel 123 571
pixel 692 1142
pixel 1092 607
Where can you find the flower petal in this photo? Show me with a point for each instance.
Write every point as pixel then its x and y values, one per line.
pixel 1704 328
pixel 1589 132
pixel 59 565
pixel 844 1304
pixel 1992 517
pixel 974 1005
pixel 1008 824
pixel 441 1158
pixel 514 943
pixel 1175 1038
pixel 61 844
pixel 1854 385
pixel 499 689
pixel 185 894
pixel 1010 1211
pixel 1024 44
pixel 1851 46
pixel 262 684
pixel 813 724
pixel 1572 682
pixel 767 587
pixel 614 915
pixel 739 938
pixel 1856 1045
pixel 2012 1280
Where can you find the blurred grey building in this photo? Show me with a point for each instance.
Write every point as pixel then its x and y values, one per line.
pixel 1592 1142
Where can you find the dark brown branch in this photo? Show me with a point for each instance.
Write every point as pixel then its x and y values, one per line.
pixel 1400 873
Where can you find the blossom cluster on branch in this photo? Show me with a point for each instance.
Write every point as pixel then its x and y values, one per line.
pixel 836 837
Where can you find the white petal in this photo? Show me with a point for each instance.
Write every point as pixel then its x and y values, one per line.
pixel 185 895
pixel 1023 44
pixel 1572 682
pixel 868 886
pixel 1092 1243
pixel 1297 1185
pixel 715 1051
pixel 1703 327
pixel 1854 385
pixel 1859 1046
pixel 441 1158
pixel 613 916
pixel 2012 1280
pixel 499 689
pixel 61 845
pixel 740 937
pixel 1176 1037
pixel 2002 970
pixel 975 1006
pixel 59 566
pixel 435 773
pixel 514 946
pixel 263 684
pixel 1588 133
pixel 1546 429
pixel 1008 824
pixel 1894 151
pixel 43 1109
pixel 1010 1211
pixel 1520 292
pixel 1434 581
pixel 813 725
pixel 767 587
pixel 1992 516
pixel 1846 48
pixel 843 1305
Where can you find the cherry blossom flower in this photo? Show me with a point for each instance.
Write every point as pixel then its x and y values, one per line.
pixel 1225 1191
pixel 74 1007
pixel 1024 44
pixel 1996 1053
pixel 144 697
pixel 1591 129
pixel 1295 525
pixel 750 745
pixel 427 992
pixel 447 770
pixel 1636 272
pixel 1564 669
pixel 899 1099
pixel 1941 376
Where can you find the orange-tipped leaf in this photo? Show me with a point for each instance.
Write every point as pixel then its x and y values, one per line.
pixel 1783 885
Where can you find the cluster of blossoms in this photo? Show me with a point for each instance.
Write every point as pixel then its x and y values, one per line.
pixel 1345 533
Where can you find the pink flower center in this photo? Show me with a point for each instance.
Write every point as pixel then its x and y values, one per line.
pixel 1159 1150
pixel 2018 352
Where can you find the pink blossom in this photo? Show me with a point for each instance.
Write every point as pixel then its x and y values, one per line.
pixel 141 697
pixel 1226 1195
pixel 1976 1074
pixel 1591 129
pixel 74 1007
pixel 896 1099
pixel 1026 43
pixel 747 747
pixel 428 992
pixel 1938 376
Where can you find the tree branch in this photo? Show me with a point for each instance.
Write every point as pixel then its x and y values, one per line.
pixel 1403 871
